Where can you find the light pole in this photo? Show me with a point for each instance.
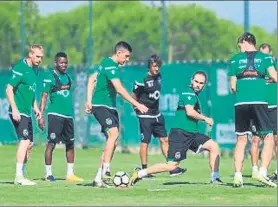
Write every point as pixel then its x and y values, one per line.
pixel 163 31
pixel 90 38
pixel 246 15
pixel 22 29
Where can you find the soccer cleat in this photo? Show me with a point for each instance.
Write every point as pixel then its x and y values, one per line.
pixel 50 178
pixel 266 181
pixel 98 184
pixel 217 181
pixel 107 179
pixel 20 180
pixel 238 182
pixel 273 177
pixel 177 171
pixel 148 176
pixel 134 179
pixel 255 174
pixel 74 178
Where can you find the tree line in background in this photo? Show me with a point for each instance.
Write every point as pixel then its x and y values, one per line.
pixel 194 32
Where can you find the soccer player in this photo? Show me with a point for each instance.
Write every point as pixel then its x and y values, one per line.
pixel 271 95
pixel 184 134
pixel 103 86
pixel 58 85
pixel 247 72
pixel 147 91
pixel 20 93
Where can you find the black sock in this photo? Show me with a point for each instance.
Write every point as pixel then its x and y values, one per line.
pixel 144 166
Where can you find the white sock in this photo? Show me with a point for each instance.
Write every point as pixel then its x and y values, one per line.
pixel 142 173
pixel 255 168
pixel 214 175
pixel 263 171
pixel 98 176
pixel 19 171
pixel 105 168
pixel 276 171
pixel 24 168
pixel 48 170
pixel 238 174
pixel 70 169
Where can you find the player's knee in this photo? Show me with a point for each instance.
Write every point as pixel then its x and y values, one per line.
pixel 113 133
pixel 214 147
pixel 163 141
pixel 256 141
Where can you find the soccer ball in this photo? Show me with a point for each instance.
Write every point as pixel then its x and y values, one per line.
pixel 121 179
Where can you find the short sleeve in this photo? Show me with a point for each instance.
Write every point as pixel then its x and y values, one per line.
pixel 48 83
pixel 232 67
pixel 112 72
pixel 269 62
pixel 187 98
pixel 138 88
pixel 16 77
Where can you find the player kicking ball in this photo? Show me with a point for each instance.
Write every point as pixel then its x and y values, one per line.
pixel 184 134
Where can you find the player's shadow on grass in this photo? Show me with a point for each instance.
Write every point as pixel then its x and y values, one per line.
pixel 184 183
pixel 85 184
pixel 7 182
pixel 247 184
pixel 43 179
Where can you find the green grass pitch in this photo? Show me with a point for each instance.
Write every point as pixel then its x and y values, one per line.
pixel 191 188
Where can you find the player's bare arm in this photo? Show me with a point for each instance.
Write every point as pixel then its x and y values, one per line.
pixel 90 90
pixel 41 121
pixel 233 80
pixel 10 97
pixel 191 112
pixel 123 92
pixel 272 73
pixel 36 109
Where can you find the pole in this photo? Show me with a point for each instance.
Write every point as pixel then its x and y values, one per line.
pixel 90 38
pixel 246 16
pixel 22 29
pixel 163 31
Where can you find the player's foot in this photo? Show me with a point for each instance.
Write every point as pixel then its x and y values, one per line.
pixel 74 178
pixel 50 178
pixel 134 179
pixel 177 171
pixel 217 181
pixel 255 174
pixel 238 182
pixel 98 184
pixel 20 180
pixel 107 179
pixel 266 181
pixel 148 176
pixel 273 177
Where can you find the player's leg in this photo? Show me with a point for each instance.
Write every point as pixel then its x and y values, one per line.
pixel 254 152
pixel 55 127
pixel 159 130
pixel 206 143
pixel 30 146
pixel 25 137
pixel 273 117
pixel 264 127
pixel 242 128
pixel 68 139
pixel 178 145
pixel 146 130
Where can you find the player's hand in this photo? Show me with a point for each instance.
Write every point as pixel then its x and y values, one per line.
pixel 38 114
pixel 88 107
pixel 16 115
pixel 41 123
pixel 142 108
pixel 209 121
